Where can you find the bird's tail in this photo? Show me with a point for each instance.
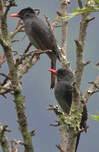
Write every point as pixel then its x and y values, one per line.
pixel 77 142
pixel 82 125
pixel 53 66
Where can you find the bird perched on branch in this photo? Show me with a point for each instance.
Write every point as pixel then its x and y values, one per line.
pixel 39 35
pixel 63 94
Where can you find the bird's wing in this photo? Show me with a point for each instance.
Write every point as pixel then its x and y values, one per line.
pixel 68 92
pixel 42 35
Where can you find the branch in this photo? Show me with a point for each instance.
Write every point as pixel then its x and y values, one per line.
pixel 62 12
pixel 28 47
pixel 65 136
pixel 91 90
pixel 18 28
pixel 54 24
pixel 72 139
pixel 78 75
pixel 2 59
pixel 15 85
pixel 23 68
pixel 3 139
pixel 64 139
pixel 80 43
pixel 29 62
pixel 59 148
pixel 6 76
pixel 75 95
pixel 11 4
pixel 15 145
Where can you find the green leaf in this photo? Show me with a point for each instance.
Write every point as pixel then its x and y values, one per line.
pixel 87 9
pixel 67 17
pixel 76 13
pixel 95 117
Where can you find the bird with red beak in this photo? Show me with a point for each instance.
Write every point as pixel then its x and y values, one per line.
pixel 39 35
pixel 63 88
pixel 63 95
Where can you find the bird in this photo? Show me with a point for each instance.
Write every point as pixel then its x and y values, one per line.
pixel 63 88
pixel 39 35
pixel 63 95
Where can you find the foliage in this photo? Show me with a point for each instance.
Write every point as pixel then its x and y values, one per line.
pixel 91 6
pixel 95 117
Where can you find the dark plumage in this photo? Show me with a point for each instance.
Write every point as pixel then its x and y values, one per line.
pixel 39 35
pixel 63 89
pixel 63 94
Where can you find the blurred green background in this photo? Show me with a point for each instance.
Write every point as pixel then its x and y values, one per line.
pixel 36 83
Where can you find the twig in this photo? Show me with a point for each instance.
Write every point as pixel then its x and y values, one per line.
pixel 6 76
pixel 32 133
pixel 97 64
pixel 90 19
pixel 15 145
pixel 13 41
pixel 28 47
pixel 4 82
pixel 54 24
pixel 56 110
pixel 11 4
pixel 86 63
pixel 4 88
pixel 60 148
pixel 2 59
pixel 55 125
pixel 48 23
pixel 6 129
pixel 91 90
pixel 17 29
pixel 22 69
pixel 29 62
pixel 30 54
pixel 3 139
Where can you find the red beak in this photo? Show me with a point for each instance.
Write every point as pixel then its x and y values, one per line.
pixel 53 71
pixel 14 15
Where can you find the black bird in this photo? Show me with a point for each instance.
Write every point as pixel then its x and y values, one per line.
pixel 63 94
pixel 63 88
pixel 39 35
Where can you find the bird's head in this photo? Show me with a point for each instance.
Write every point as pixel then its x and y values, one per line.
pixel 62 74
pixel 25 13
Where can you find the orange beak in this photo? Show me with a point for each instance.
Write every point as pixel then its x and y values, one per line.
pixel 14 15
pixel 53 71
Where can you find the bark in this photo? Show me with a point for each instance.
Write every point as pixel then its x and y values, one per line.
pixel 6 44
